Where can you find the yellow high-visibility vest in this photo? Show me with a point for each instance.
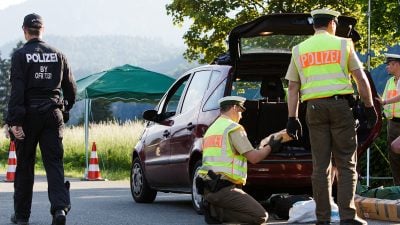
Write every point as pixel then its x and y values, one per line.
pixel 218 154
pixel 391 110
pixel 321 62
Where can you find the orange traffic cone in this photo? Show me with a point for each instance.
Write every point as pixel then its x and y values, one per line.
pixel 94 170
pixel 12 163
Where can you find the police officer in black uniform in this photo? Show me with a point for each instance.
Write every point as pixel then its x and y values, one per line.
pixel 43 90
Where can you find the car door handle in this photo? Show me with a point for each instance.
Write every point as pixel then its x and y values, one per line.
pixel 190 126
pixel 166 133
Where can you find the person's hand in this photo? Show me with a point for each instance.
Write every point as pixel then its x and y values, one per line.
pixel 18 132
pixel 371 116
pixel 6 131
pixel 293 128
pixel 380 100
pixel 275 145
pixel 65 116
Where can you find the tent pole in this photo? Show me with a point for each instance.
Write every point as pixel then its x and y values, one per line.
pixel 369 70
pixel 86 126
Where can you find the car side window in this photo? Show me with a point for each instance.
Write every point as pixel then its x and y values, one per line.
pixel 212 101
pixel 170 104
pixel 215 75
pixel 196 89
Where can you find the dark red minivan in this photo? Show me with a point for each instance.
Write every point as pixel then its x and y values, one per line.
pixel 168 154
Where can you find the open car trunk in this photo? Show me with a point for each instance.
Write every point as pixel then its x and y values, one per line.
pixel 260 53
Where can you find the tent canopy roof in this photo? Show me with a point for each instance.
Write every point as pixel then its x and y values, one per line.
pixel 124 82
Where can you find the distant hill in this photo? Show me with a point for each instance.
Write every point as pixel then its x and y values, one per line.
pixel 94 17
pixel 91 54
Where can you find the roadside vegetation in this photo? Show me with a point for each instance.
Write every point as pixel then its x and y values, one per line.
pixel 114 144
pixel 115 141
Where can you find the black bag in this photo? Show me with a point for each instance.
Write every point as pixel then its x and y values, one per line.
pixel 281 203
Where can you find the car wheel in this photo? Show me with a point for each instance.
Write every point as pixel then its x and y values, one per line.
pixel 141 192
pixel 197 199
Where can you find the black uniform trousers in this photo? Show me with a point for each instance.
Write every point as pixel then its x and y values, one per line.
pixel 46 129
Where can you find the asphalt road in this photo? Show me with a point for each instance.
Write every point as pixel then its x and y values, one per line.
pixel 110 203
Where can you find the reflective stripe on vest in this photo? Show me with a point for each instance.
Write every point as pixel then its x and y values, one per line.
pixel 322 68
pixel 218 154
pixel 391 110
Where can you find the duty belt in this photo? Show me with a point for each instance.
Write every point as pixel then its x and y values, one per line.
pixel 395 119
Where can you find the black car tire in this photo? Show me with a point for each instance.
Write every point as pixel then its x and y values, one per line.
pixel 197 199
pixel 141 192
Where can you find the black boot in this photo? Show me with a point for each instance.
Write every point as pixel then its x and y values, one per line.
pixel 59 217
pixel 14 220
pixel 207 214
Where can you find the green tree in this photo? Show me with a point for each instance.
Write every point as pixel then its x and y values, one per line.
pixel 5 86
pixel 101 110
pixel 211 21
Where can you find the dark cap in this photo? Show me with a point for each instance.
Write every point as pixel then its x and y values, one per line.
pixel 33 20
pixel 232 100
pixel 392 57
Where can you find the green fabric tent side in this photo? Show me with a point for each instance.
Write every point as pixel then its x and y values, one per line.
pixel 123 82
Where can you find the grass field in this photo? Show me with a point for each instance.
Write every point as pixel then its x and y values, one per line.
pixel 114 144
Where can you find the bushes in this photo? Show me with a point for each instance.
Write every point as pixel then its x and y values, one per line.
pixel 379 164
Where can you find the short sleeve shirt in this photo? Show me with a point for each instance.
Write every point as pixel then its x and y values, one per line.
pixel 354 63
pixel 240 142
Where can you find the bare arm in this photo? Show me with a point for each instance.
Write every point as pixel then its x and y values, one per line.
pixel 390 100
pixel 293 98
pixel 255 156
pixel 363 87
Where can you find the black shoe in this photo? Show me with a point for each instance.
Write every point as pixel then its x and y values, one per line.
pixel 59 217
pixel 207 214
pixel 14 220
pixel 323 223
pixel 356 221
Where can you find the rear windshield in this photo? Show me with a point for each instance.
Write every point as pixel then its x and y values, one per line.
pixel 270 43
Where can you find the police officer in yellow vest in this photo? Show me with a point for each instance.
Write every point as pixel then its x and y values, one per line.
pixel 391 106
pixel 318 74
pixel 226 150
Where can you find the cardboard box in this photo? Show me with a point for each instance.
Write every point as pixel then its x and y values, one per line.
pixel 379 209
pixel 283 135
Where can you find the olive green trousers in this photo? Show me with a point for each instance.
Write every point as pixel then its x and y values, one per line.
pixel 232 204
pixel 333 137
pixel 393 131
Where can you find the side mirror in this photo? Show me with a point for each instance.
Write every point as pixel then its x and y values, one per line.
pixel 150 115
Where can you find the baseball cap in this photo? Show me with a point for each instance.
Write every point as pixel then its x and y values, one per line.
pixel 233 100
pixel 33 20
pixel 392 57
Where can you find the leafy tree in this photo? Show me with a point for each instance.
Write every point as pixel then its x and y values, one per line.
pixel 211 21
pixel 5 86
pixel 101 110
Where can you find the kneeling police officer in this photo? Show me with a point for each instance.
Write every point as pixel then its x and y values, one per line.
pixel 226 146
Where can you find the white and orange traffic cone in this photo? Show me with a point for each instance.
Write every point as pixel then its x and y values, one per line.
pixel 12 163
pixel 94 170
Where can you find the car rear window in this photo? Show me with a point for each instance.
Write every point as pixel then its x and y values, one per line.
pixel 248 89
pixel 270 43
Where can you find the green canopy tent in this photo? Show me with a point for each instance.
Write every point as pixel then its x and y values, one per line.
pixel 124 82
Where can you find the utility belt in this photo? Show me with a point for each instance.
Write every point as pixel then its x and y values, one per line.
pixel 213 185
pixel 395 119
pixel 349 97
pixel 44 105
